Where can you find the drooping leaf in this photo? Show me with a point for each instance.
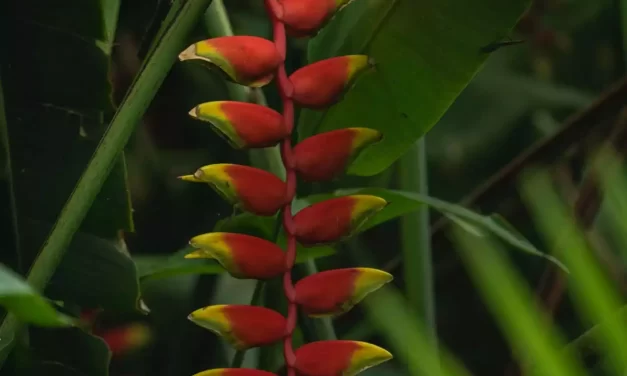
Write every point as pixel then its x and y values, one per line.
pixel 425 52
pixel 17 297
pixel 95 272
pixel 401 203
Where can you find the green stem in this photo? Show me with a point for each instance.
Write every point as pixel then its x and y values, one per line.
pixel 416 240
pixel 130 112
pixel 238 359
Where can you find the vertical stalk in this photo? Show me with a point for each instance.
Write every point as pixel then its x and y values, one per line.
pixel 274 10
pixel 416 240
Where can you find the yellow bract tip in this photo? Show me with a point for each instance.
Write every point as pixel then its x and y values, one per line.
pixel 197 254
pixel 191 178
pixel 211 372
pixel 366 356
pixel 364 137
pixel 189 53
pixel 211 318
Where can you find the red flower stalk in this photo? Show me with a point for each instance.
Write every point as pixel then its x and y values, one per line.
pixel 254 62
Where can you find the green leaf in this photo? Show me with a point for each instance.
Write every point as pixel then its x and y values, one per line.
pixel 95 272
pixel 426 53
pixel 21 300
pixel 68 352
pixel 402 203
pixel 536 342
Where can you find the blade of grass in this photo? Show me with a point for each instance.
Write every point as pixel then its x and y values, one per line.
pixel 388 310
pixel 514 308
pixel 593 294
pixel 7 170
pixel 135 103
pixel 416 240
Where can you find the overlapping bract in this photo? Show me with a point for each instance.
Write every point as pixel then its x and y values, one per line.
pixel 245 60
pixel 234 372
pixel 336 291
pixel 242 326
pixel 326 155
pixel 335 219
pixel 323 83
pixel 243 256
pixel 250 189
pixel 253 62
pixel 338 357
pixel 304 18
pixel 244 125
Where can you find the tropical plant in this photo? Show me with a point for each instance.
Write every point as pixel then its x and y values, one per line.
pixel 296 269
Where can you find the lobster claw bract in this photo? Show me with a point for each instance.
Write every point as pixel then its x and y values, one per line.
pixel 335 219
pixel 244 125
pixel 324 83
pixel 246 60
pixel 326 155
pixel 304 18
pixel 243 256
pixel 338 357
pixel 336 291
pixel 251 189
pixel 234 372
pixel 242 326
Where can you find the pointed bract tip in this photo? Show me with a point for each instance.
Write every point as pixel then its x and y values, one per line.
pixel 189 53
pixel 191 178
pixel 197 254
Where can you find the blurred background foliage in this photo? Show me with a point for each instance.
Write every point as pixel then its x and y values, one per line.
pixel 66 68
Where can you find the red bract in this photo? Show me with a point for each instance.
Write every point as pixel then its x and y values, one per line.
pixel 244 125
pixel 331 358
pixel 242 326
pixel 326 155
pixel 124 339
pixel 234 372
pixel 334 292
pixel 246 60
pixel 304 18
pixel 322 84
pixel 243 256
pixel 251 189
pixel 335 219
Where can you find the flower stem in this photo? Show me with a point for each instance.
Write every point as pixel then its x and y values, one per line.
pixel 285 90
pixel 416 240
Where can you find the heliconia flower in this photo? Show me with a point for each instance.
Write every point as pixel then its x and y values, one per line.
pixel 326 155
pixel 246 60
pixel 124 339
pixel 335 219
pixel 338 357
pixel 251 189
pixel 242 326
pixel 323 83
pixel 243 256
pixel 234 372
pixel 334 292
pixel 244 125
pixel 304 18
